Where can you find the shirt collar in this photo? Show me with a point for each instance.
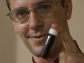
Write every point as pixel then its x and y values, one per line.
pixel 33 60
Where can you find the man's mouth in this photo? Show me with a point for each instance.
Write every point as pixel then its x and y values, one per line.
pixel 38 38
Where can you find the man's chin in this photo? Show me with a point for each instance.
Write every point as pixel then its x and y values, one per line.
pixel 36 51
pixel 37 54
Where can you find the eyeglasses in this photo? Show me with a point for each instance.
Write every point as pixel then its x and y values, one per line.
pixel 42 10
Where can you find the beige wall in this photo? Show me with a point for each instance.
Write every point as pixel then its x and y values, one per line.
pixel 12 49
pixel 76 23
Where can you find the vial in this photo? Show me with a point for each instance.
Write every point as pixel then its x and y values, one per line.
pixel 49 42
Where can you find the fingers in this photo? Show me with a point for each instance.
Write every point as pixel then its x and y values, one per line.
pixel 67 40
pixel 42 60
pixel 62 58
pixel 67 57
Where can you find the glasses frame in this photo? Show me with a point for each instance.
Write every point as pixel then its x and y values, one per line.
pixel 34 11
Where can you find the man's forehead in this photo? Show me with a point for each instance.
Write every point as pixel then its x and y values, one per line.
pixel 34 0
pixel 28 3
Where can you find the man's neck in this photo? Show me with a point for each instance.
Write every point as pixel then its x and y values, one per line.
pixel 56 61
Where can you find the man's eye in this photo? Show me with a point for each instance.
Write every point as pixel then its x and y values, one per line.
pixel 45 7
pixel 21 15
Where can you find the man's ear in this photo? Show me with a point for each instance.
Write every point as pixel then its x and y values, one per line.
pixel 68 6
pixel 15 27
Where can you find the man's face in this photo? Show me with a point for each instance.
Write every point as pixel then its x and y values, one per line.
pixel 34 31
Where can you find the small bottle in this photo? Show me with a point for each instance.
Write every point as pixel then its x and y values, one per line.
pixel 49 42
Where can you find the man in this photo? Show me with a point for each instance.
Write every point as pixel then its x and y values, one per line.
pixel 32 20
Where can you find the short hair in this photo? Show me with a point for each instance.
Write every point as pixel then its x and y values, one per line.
pixel 8 3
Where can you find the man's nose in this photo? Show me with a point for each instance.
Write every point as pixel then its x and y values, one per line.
pixel 35 22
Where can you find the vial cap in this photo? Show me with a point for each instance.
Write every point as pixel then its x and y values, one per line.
pixel 53 32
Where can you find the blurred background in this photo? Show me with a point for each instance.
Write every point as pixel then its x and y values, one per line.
pixel 13 50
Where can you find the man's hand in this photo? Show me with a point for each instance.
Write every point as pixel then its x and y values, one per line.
pixel 72 53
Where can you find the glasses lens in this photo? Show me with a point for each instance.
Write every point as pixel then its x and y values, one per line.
pixel 19 15
pixel 44 10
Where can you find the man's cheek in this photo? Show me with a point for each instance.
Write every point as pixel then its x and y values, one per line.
pixel 21 29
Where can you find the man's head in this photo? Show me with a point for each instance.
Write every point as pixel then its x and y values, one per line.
pixel 34 29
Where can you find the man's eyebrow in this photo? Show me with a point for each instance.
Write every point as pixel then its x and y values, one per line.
pixel 19 8
pixel 43 1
